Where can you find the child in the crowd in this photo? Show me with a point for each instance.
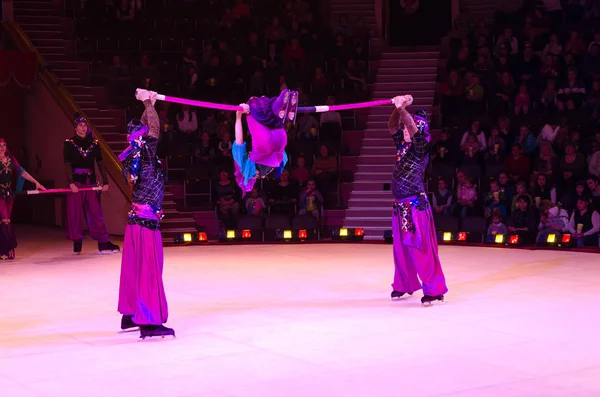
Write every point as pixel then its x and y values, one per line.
pixel 497 227
pixel 467 197
pixel 471 149
pixel 521 189
pixel 522 100
pixel 255 205
pixel 442 199
pixel 495 200
pixel 555 221
pixel 301 173
pixel 310 200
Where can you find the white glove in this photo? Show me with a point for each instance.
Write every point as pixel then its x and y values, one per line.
pixel 142 95
pixel 403 101
pixel 398 101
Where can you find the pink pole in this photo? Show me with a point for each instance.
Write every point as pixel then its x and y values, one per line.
pixel 55 191
pixel 360 105
pixel 306 109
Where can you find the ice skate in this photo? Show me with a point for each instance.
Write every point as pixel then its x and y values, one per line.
pixel 77 245
pixel 149 331
pixel 108 248
pixel 427 300
pixel 398 294
pixel 127 322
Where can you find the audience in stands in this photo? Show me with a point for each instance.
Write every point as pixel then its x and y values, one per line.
pixel 523 94
pixel 536 68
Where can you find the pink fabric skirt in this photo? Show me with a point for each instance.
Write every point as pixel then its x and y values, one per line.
pixel 416 259
pixel 141 291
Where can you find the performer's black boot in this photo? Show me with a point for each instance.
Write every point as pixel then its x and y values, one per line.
pixel 77 245
pixel 108 248
pixel 428 299
pixel 398 294
pixel 149 331
pixel 127 322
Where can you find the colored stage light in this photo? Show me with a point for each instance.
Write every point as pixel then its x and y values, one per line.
pixel 302 234
pixel 202 236
pixel 287 234
pixel 462 236
pixel 499 238
pixel 514 239
pixel 230 234
pixel 343 232
pixel 359 232
pixel 566 238
pixel 447 236
pixel 246 234
pixel 187 237
pixel 551 239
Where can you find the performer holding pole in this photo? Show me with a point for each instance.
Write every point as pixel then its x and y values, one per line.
pixel 415 242
pixel 81 153
pixel 9 166
pixel 142 300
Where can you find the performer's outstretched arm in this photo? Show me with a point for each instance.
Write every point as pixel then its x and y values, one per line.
pixel 403 116
pixel 150 116
pixel 239 129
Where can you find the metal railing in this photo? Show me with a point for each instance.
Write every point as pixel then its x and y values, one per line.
pixel 67 103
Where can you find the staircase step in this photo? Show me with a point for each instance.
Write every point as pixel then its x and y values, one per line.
pixel 51 58
pixel 371 202
pixel 343 8
pixel 405 78
pixel 364 222
pixel 38 20
pixel 45 51
pixel 410 55
pixel 67 73
pixel 69 65
pixel 382 150
pixel 377 123
pixel 371 141
pixel 387 168
pixel 44 34
pixel 372 174
pixel 369 212
pixel 35 13
pixel 385 110
pixel 371 195
pixel 416 87
pixel 178 223
pixel 371 184
pixel 411 63
pixel 71 81
pixel 114 137
pixel 406 70
pixel 48 42
pixel 24 4
pixel 376 159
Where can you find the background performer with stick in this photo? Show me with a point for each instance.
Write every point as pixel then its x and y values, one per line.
pixel 9 166
pixel 415 242
pixel 81 154
pixel 142 300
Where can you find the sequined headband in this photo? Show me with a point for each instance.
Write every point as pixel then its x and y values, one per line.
pixel 80 119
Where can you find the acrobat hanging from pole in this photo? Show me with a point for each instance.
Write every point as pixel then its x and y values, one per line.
pixel 266 118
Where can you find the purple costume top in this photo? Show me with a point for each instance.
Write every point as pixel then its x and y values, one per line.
pixel 412 157
pixel 266 123
pixel 142 169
